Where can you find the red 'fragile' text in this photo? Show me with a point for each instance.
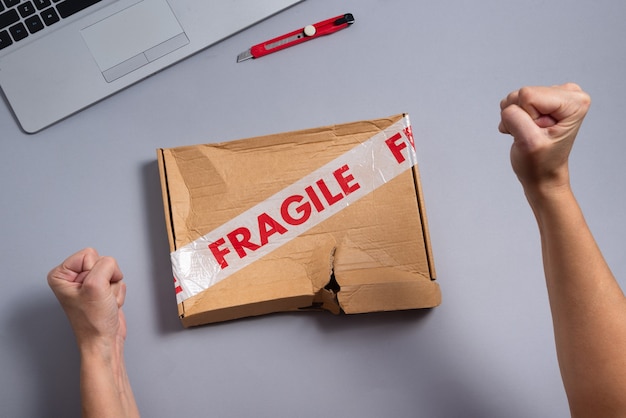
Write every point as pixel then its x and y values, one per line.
pixel 294 210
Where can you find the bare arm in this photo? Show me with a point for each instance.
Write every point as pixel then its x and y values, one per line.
pixel 587 304
pixel 91 292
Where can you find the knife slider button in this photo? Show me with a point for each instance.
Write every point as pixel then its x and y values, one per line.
pixel 309 30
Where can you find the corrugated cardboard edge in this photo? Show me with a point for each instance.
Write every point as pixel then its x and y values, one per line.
pixel 235 312
pixel 425 231
pixel 165 194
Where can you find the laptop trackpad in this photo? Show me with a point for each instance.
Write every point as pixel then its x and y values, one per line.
pixel 134 37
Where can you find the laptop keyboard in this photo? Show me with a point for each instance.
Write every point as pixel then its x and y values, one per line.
pixel 21 18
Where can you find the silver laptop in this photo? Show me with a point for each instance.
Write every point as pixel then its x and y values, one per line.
pixel 60 56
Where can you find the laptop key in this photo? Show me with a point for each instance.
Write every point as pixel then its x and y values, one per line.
pixel 8 18
pixel 5 39
pixel 18 32
pixel 26 9
pixel 50 16
pixel 41 4
pixel 11 3
pixel 34 24
pixel 70 7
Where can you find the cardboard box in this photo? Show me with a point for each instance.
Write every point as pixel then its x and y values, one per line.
pixel 329 218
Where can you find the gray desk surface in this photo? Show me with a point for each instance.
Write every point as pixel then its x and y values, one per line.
pixel 488 351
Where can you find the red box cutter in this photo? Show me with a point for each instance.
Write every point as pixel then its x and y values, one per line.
pixel 325 27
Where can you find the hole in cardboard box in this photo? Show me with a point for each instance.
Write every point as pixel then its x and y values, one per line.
pixel 326 297
pixel 332 285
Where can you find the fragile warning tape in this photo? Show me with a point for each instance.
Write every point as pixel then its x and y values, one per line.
pixel 293 210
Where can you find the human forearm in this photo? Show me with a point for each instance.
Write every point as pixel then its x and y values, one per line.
pixel 574 266
pixel 105 387
pixel 91 292
pixel 588 307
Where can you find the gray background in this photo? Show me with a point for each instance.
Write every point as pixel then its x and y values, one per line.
pixel 487 351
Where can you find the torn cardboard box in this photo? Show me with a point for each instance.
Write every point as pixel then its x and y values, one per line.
pixel 329 218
